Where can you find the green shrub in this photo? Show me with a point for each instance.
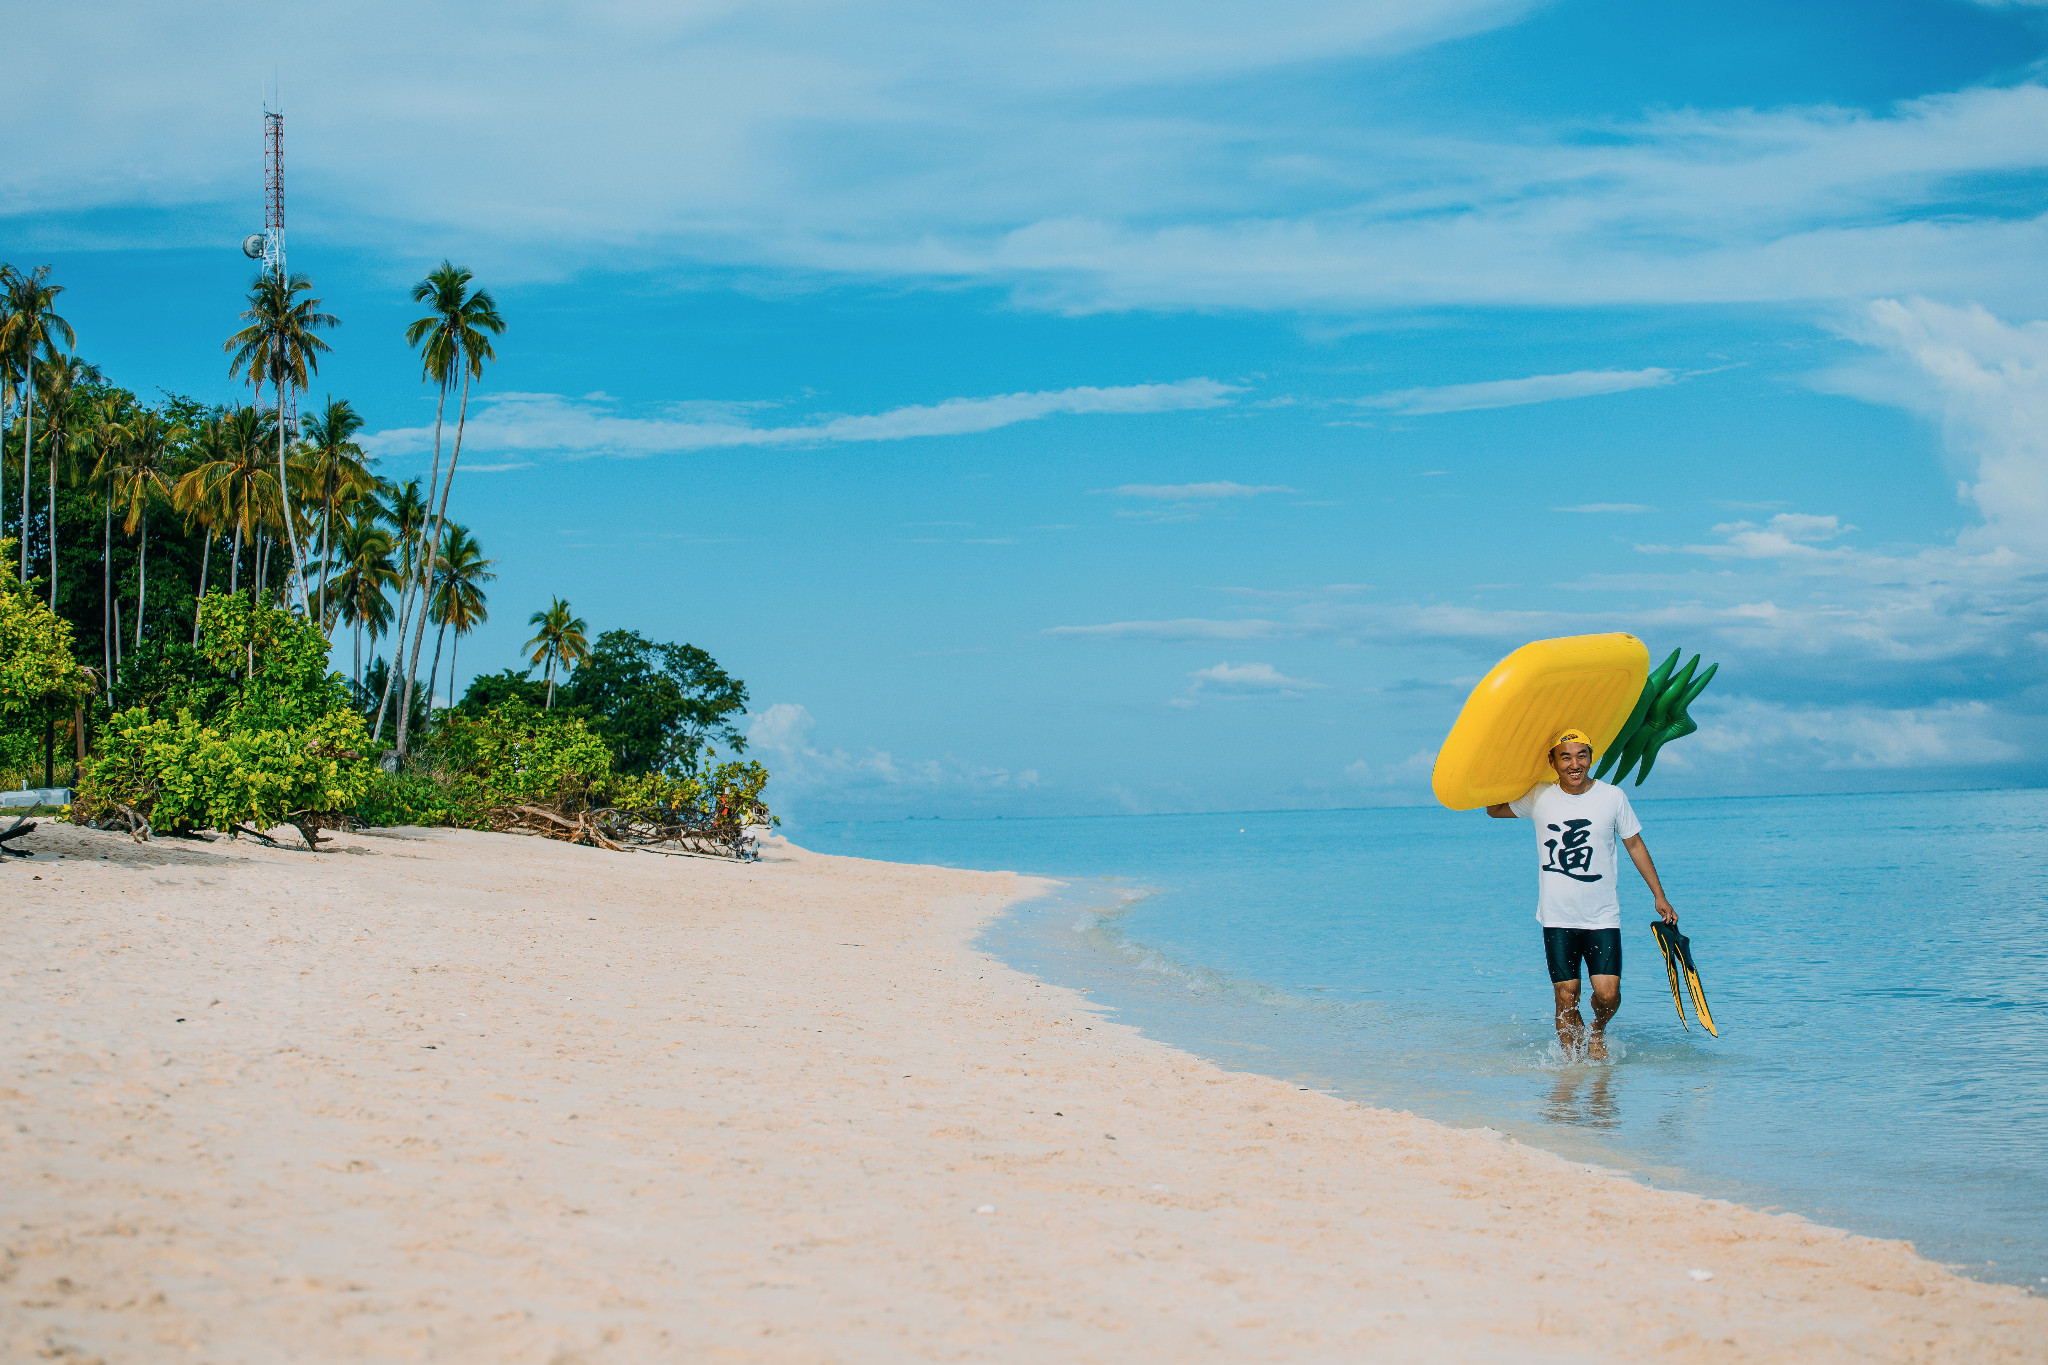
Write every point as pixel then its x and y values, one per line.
pixel 39 680
pixel 405 798
pixel 250 728
pixel 518 755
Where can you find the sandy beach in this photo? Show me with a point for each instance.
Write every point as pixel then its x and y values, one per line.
pixel 446 1096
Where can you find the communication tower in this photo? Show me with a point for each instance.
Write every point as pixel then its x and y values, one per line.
pixel 273 191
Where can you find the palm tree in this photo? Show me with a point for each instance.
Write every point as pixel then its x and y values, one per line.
pixel 204 507
pixel 455 336
pixel 366 572
pixel 337 466
pixel 8 389
pixel 107 433
pixel 231 482
pixel 278 347
pixel 408 516
pixel 64 437
pixel 559 640
pixel 32 324
pixel 141 475
pixel 458 599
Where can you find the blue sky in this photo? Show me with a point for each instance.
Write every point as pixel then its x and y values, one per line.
pixel 1137 407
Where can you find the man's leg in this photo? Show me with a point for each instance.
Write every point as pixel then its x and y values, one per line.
pixel 1562 953
pixel 1606 1000
pixel 1603 964
pixel 1571 1029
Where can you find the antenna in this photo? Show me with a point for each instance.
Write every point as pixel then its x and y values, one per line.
pixel 273 227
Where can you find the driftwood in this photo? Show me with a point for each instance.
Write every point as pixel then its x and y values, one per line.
pixel 128 819
pixel 668 829
pixel 22 825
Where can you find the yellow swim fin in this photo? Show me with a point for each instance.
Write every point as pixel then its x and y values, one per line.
pixel 1678 962
pixel 1661 930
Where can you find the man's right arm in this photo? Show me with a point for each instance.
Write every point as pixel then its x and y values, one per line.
pixel 1502 812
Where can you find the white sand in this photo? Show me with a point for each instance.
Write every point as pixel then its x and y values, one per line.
pixel 468 1097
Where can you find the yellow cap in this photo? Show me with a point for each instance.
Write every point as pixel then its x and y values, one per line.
pixel 1572 737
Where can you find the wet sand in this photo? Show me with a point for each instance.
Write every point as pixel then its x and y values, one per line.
pixel 437 1095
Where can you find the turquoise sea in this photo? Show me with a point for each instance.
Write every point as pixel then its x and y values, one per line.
pixel 1877 965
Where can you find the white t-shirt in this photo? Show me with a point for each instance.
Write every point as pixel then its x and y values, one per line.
pixel 1578 841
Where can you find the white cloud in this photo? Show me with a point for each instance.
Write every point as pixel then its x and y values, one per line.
pixel 1765 734
pixel 1196 492
pixel 1412 771
pixel 546 422
pixel 1186 628
pixel 1623 508
pixel 1986 381
pixel 1787 535
pixel 804 772
pixel 1510 393
pixel 1248 680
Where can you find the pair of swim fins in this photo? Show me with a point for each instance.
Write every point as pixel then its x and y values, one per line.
pixel 1678 966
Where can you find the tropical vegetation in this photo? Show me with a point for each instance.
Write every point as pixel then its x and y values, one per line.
pixel 179 577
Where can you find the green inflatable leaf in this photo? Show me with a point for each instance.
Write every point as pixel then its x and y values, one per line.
pixel 1659 717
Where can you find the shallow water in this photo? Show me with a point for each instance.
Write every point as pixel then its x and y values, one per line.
pixel 1877 965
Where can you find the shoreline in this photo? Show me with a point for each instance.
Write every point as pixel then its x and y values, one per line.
pixel 444 1095
pixel 1207 1012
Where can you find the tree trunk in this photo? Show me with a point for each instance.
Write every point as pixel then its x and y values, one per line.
pixel 358 632
pixel 117 635
pixel 235 565
pixel 141 575
pixel 107 595
pixel 452 649
pixel 433 549
pixel 551 685
pixel 390 672
pixel 205 558
pixel 326 553
pixel 284 501
pixel 54 443
pixel 434 675
pixel 28 445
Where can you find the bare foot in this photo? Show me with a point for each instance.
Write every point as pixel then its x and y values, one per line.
pixel 1596 1048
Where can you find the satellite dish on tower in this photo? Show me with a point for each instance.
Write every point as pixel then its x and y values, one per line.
pixel 252 246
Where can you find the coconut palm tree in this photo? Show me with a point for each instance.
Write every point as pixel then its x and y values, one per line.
pixel 278 347
pixel 33 325
pixel 407 513
pixel 337 465
pixel 63 433
pixel 458 599
pixel 204 508
pixel 454 338
pixel 559 640
pixel 107 432
pixel 231 480
pixel 141 475
pixel 360 588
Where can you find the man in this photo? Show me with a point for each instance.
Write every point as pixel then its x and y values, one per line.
pixel 1579 822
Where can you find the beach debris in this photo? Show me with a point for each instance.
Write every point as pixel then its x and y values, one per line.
pixel 128 819
pixel 986 1208
pixel 718 833
pixel 1701 1276
pixel 22 825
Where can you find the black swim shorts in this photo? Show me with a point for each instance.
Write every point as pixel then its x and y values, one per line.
pixel 1599 949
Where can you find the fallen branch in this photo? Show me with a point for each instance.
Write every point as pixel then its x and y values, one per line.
pixel 129 820
pixel 22 825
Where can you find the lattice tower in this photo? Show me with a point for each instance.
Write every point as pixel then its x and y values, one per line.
pixel 273 230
